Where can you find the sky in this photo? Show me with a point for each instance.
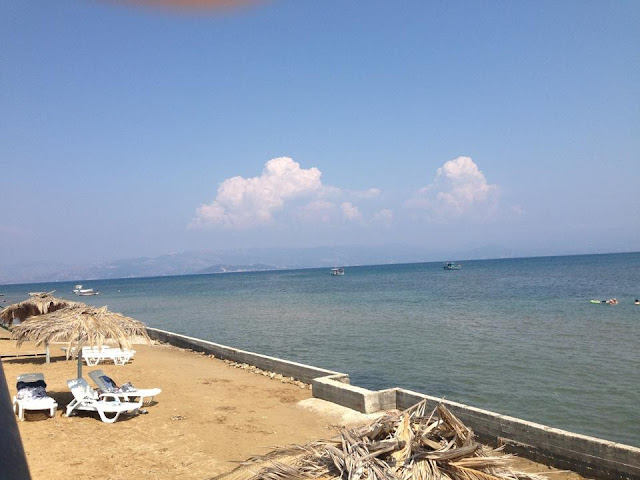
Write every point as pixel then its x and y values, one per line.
pixel 129 130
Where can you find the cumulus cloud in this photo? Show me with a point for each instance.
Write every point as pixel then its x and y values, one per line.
pixel 350 211
pixel 247 202
pixel 459 189
pixel 286 193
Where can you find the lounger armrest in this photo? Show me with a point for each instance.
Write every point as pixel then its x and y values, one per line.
pixel 107 395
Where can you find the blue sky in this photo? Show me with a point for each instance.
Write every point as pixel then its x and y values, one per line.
pixel 135 131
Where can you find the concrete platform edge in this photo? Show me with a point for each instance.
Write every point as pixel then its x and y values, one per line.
pixel 588 456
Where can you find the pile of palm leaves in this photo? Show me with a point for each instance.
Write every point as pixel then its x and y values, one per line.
pixel 400 446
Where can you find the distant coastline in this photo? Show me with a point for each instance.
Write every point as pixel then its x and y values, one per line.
pixel 195 263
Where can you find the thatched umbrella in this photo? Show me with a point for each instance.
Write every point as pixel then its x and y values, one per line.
pixel 81 325
pixel 39 303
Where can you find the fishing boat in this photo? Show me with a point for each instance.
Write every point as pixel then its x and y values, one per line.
pixel 78 290
pixel 452 266
pixel 337 271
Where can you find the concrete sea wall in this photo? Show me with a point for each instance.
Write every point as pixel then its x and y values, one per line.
pixel 589 456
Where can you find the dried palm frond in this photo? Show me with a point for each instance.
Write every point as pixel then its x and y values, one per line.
pixel 484 461
pixel 39 303
pixel 408 445
pixel 81 325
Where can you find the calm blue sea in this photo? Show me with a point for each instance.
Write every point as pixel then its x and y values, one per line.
pixel 516 336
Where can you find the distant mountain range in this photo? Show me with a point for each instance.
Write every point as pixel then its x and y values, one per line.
pixel 240 260
pixel 256 267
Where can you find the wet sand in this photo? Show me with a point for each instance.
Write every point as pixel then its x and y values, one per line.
pixel 208 417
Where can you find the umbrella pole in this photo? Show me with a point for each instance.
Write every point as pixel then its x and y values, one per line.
pixel 79 363
pixel 47 352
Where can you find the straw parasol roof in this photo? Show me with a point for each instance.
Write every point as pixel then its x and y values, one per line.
pixel 81 325
pixel 39 303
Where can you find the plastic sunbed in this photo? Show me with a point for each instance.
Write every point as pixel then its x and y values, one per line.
pixel 87 399
pixel 93 355
pixel 32 395
pixel 126 392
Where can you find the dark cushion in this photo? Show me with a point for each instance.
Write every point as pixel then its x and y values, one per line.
pixel 109 381
pixel 37 383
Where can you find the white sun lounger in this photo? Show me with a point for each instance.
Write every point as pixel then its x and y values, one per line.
pixel 87 399
pixel 24 401
pixel 106 384
pixel 94 355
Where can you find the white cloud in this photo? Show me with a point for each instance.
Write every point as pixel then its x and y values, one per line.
pixel 317 211
pixel 247 202
pixel 459 189
pixel 284 193
pixel 384 217
pixel 367 194
pixel 350 211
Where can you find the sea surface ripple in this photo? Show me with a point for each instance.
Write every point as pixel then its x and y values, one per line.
pixel 515 336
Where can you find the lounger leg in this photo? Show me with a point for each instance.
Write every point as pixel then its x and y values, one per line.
pixel 52 412
pixel 17 409
pixel 106 419
pixel 71 406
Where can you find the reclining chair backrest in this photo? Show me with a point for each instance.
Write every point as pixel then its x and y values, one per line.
pixel 81 389
pixel 103 382
pixel 30 377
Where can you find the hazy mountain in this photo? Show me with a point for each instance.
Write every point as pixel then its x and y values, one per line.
pixel 253 259
pixel 256 267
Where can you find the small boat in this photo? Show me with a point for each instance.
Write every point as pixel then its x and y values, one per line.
pixel 78 290
pixel 452 266
pixel 338 271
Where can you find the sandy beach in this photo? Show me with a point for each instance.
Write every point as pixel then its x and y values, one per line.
pixel 209 416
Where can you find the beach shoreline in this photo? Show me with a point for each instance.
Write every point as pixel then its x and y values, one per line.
pixel 210 416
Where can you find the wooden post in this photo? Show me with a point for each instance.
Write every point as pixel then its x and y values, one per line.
pixel 47 353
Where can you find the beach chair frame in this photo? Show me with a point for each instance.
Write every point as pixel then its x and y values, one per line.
pixel 21 405
pixel 94 355
pixel 87 399
pixel 145 395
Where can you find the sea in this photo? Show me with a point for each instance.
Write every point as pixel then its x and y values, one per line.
pixel 515 336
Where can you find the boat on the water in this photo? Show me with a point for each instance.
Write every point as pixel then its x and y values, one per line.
pixel 337 271
pixel 78 290
pixel 452 266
